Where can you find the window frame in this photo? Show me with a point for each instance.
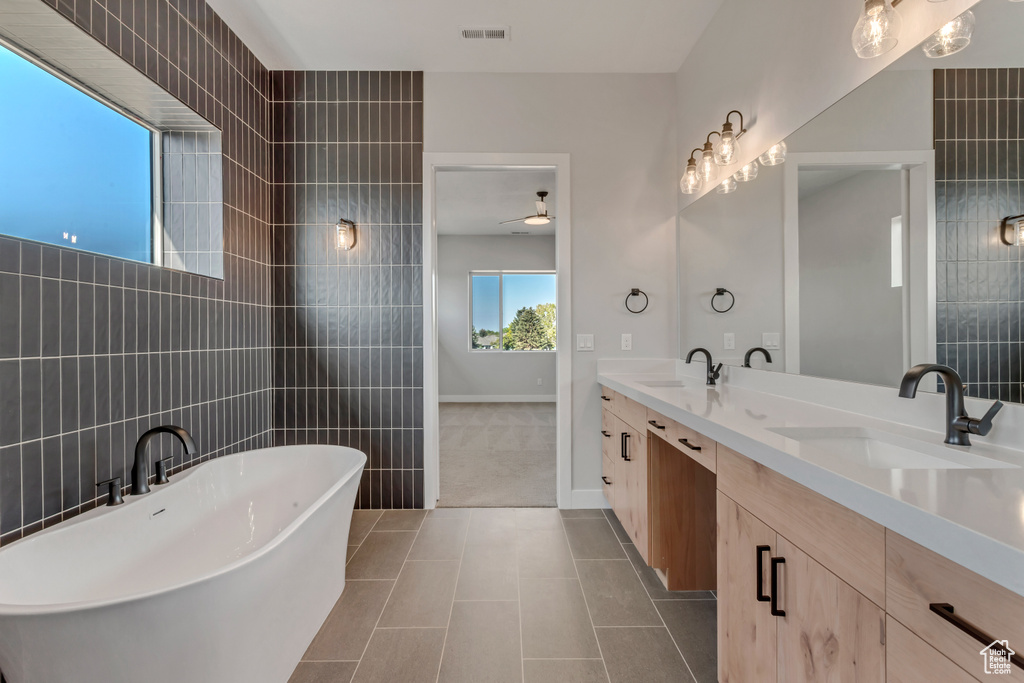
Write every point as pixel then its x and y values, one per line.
pixel 501 308
pixel 156 236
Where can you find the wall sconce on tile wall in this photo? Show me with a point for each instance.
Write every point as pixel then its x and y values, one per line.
pixel 1011 231
pixel 345 234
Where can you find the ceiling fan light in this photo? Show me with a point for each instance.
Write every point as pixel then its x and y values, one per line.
pixel 537 220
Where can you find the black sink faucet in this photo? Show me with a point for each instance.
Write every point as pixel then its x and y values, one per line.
pixel 958 424
pixel 751 352
pixel 713 372
pixel 140 470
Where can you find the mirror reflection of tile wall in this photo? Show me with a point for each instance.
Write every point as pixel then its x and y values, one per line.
pixel 978 148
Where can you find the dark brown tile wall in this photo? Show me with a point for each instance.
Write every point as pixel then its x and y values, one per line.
pixel 979 150
pixel 95 350
pixel 348 326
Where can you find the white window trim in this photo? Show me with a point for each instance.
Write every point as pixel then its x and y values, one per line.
pixel 501 308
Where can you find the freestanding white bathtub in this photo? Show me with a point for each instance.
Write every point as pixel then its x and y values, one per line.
pixel 223 575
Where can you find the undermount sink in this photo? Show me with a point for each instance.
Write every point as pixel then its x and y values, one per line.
pixel 881 450
pixel 663 383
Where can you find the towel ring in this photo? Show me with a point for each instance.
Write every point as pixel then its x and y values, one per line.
pixel 722 291
pixel 637 292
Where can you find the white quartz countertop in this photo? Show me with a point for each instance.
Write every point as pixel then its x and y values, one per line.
pixel 975 517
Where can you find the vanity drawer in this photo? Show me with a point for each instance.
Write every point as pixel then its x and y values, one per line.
pixel 847 544
pixel 911 660
pixel 917 578
pixel 700 448
pixel 658 424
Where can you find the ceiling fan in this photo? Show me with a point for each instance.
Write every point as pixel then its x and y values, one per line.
pixel 542 217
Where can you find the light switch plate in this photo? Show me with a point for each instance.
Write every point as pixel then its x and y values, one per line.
pixel 770 340
pixel 584 342
pixel 627 342
pixel 729 341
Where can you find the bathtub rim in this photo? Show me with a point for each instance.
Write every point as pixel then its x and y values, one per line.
pixel 40 609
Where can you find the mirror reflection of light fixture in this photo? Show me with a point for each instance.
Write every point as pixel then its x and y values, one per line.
pixel 728 147
pixel 1011 231
pixel 727 186
pixel 878 29
pixel 345 234
pixel 747 172
pixel 691 183
pixel 951 38
pixel 707 169
pixel 774 155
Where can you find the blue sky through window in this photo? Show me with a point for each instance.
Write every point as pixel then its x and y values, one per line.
pixel 527 290
pixel 69 164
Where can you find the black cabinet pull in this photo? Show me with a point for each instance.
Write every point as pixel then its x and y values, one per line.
pixel 625 446
pixel 945 610
pixel 606 434
pixel 655 424
pixel 605 398
pixel 689 445
pixel 761 550
pixel 605 480
pixel 776 612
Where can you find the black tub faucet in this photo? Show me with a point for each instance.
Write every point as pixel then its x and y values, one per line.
pixel 140 470
pixel 713 372
pixel 751 352
pixel 958 424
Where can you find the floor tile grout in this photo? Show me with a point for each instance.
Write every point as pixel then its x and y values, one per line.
pixel 455 589
pixel 586 602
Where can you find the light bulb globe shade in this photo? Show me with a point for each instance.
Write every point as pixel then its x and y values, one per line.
pixel 345 235
pixel 727 186
pixel 878 29
pixel 727 149
pixel 537 220
pixel 774 155
pixel 691 183
pixel 747 172
pixel 951 38
pixel 707 169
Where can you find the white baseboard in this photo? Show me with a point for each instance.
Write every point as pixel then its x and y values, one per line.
pixel 586 499
pixel 472 398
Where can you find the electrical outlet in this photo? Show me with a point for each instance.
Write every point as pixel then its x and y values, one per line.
pixel 627 342
pixel 584 342
pixel 540 381
pixel 729 341
pixel 770 340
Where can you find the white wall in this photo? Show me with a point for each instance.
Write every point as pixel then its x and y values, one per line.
pixel 463 373
pixel 736 240
pixel 851 317
pixel 781 63
pixel 620 133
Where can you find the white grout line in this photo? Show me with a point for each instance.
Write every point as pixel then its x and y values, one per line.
pixel 655 606
pixel 561 521
pixel 519 597
pixel 458 572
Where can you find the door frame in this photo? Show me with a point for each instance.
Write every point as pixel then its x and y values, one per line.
pixel 463 161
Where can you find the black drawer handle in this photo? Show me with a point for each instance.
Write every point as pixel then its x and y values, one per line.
pixel 761 550
pixel 689 445
pixel 655 424
pixel 605 480
pixel 945 610
pixel 606 434
pixel 605 398
pixel 776 612
pixel 625 446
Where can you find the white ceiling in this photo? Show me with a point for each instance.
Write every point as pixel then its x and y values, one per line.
pixel 568 36
pixel 475 202
pixel 996 41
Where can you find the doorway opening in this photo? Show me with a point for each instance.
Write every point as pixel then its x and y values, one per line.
pixel 496 359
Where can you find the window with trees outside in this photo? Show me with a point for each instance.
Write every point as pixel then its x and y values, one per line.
pixel 512 311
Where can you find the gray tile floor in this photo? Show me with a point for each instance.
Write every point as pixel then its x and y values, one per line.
pixel 493 595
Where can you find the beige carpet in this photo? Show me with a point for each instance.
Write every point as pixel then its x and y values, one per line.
pixel 497 455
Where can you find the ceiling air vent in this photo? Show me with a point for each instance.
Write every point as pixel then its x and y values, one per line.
pixel 520 232
pixel 486 32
